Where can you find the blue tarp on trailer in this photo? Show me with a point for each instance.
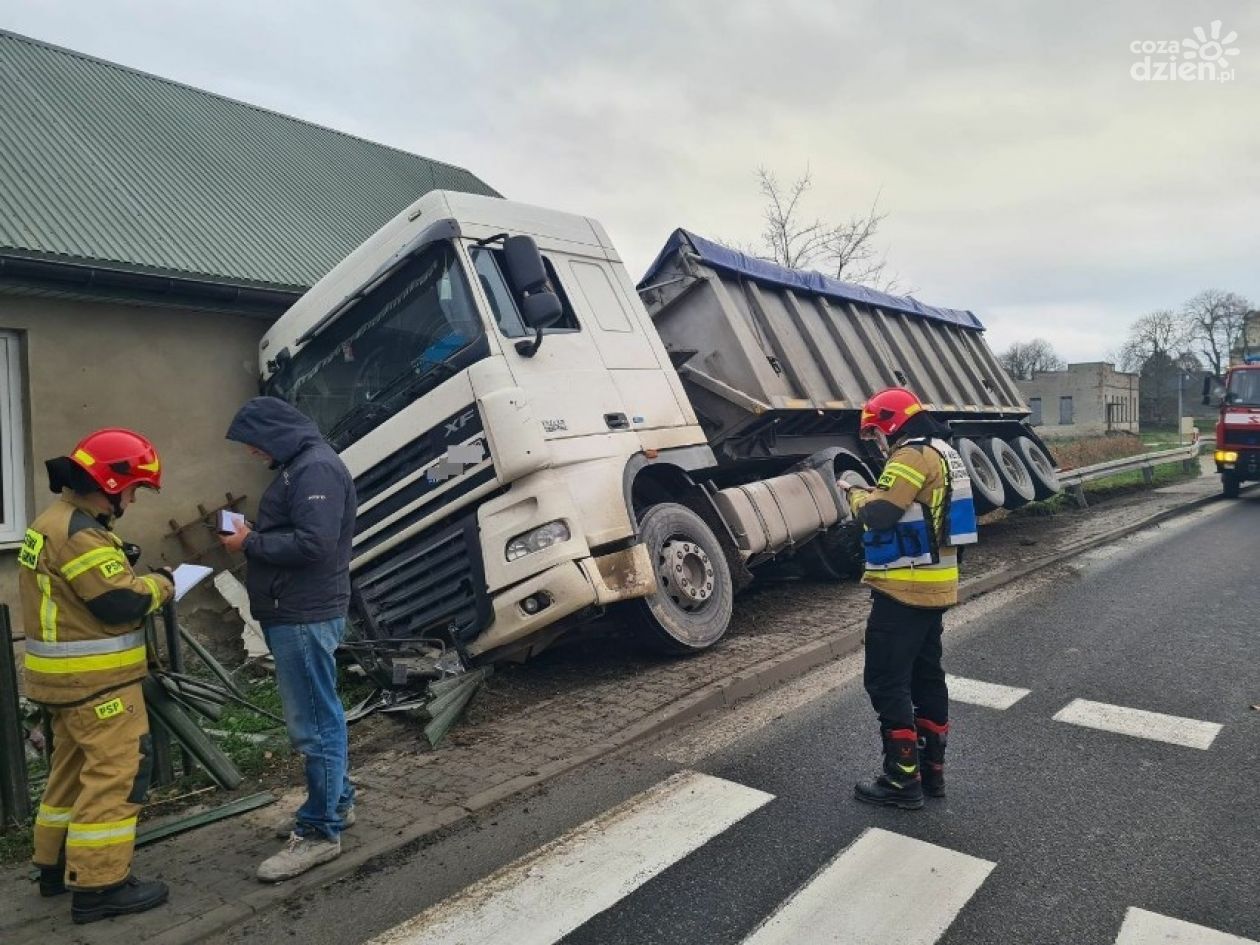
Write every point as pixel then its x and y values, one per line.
pixel 764 271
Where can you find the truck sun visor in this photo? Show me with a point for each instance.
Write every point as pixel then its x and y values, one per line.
pixel 766 272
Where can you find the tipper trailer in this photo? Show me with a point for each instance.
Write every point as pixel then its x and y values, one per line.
pixel 533 441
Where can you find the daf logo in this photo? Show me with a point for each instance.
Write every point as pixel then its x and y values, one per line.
pixel 454 426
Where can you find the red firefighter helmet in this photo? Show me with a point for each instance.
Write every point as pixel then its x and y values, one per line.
pixel 888 411
pixel 117 459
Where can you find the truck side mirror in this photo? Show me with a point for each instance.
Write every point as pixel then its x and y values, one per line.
pixel 540 306
pixel 525 269
pixel 1214 389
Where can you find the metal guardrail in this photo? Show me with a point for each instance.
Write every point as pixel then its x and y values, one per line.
pixel 1073 480
pixel 1144 462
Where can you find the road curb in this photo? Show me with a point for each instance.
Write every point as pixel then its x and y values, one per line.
pixel 721 693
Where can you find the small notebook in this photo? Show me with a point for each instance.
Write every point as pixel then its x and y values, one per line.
pixel 229 521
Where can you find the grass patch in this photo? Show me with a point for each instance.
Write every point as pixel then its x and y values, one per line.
pixel 16 846
pixel 1165 474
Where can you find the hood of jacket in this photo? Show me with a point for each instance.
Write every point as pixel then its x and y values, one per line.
pixel 274 426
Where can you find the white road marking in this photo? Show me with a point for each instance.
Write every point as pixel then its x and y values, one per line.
pixel 1149 928
pixel 884 888
pixel 1139 723
pixel 990 695
pixel 547 894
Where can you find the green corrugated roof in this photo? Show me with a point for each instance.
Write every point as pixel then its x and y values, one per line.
pixel 100 163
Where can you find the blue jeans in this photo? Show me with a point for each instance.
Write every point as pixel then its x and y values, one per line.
pixel 306 674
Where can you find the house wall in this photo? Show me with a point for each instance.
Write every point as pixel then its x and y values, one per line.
pixel 1092 387
pixel 175 375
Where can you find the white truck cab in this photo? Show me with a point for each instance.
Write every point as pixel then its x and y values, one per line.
pixel 494 474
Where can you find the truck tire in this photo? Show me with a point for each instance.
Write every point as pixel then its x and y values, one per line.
pixel 986 485
pixel 691 607
pixel 1016 482
pixel 1230 484
pixel 837 554
pixel 1044 479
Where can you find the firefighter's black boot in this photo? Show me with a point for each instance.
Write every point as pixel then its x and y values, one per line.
pixel 52 880
pixel 932 737
pixel 898 783
pixel 131 896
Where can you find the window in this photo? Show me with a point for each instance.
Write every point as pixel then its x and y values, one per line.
pixel 1065 411
pixel 488 263
pixel 385 351
pixel 1244 388
pixel 602 300
pixel 1034 404
pixel 12 439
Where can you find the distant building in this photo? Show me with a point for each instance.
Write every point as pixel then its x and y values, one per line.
pixel 1085 400
pixel 1249 343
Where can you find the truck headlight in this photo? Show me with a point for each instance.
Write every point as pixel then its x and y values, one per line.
pixel 544 536
pixel 1226 456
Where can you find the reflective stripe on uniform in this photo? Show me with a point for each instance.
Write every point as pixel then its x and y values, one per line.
pixel 58 817
pixel 85 562
pixel 911 475
pixel 66 665
pixel 71 648
pixel 47 609
pixel 926 575
pixel 155 592
pixel 102 835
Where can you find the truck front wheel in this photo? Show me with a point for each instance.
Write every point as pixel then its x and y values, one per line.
pixel 691 607
pixel 1230 484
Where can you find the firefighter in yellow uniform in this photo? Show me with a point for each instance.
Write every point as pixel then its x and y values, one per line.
pixel 915 520
pixel 83 608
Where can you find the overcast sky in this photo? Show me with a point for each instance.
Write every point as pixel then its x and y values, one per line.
pixel 1027 175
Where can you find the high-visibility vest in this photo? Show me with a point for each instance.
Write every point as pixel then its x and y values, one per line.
pixel 917 539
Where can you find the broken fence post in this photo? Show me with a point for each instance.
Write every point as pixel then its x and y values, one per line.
pixel 15 798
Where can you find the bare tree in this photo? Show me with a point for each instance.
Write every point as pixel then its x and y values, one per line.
pixel 1161 333
pixel 847 250
pixel 1025 358
pixel 1215 321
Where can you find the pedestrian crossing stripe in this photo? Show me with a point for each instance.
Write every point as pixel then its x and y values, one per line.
pixel 987 694
pixel 544 896
pixel 1190 733
pixel 1150 928
pixel 883 888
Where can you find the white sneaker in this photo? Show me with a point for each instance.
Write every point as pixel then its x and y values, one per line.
pixel 299 855
pixel 285 827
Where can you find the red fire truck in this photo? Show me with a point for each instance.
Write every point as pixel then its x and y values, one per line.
pixel 1238 429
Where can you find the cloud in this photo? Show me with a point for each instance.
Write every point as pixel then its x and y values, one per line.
pixel 1028 177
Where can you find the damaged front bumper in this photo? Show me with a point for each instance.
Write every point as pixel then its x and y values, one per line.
pixel 562 590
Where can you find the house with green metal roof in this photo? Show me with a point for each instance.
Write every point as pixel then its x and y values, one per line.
pixel 149 234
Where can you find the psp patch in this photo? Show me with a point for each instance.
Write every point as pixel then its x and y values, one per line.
pixel 112 568
pixel 107 710
pixel 32 545
pixel 887 480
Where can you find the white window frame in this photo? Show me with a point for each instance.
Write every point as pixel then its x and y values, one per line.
pixel 12 440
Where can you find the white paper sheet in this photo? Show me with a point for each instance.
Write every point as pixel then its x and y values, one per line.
pixel 188 576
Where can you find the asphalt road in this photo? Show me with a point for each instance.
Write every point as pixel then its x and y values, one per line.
pixel 1052 832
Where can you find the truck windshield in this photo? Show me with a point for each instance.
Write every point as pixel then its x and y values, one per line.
pixel 417 328
pixel 1244 388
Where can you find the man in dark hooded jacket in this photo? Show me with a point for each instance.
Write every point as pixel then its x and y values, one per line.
pixel 298 578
